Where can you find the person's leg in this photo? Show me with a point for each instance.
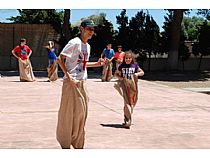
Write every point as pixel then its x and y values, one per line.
pixel 80 111
pixel 65 116
pixel 127 115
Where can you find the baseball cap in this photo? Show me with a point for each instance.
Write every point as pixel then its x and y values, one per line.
pixel 87 23
pixel 22 39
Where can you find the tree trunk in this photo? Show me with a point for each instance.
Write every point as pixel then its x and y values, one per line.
pixel 66 25
pixel 175 39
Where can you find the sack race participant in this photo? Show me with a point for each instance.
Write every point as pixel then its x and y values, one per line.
pixel 52 68
pixel 22 52
pixel 108 55
pixel 73 110
pixel 127 86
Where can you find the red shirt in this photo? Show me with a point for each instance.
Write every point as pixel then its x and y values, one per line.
pixel 119 56
pixel 22 51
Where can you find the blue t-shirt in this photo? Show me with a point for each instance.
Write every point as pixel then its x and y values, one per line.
pixel 127 70
pixel 108 53
pixel 51 54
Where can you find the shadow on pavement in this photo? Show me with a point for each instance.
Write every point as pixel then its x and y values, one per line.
pixel 113 125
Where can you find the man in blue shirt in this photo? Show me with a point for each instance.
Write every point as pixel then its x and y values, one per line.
pixel 108 54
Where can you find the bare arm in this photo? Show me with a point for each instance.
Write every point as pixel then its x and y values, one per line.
pixel 60 60
pixel 29 54
pixel 13 52
pixel 111 59
pixel 99 63
pixel 140 72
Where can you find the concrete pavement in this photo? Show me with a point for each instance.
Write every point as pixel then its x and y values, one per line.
pixel 164 117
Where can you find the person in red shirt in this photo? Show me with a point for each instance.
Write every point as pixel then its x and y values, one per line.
pixel 23 52
pixel 119 55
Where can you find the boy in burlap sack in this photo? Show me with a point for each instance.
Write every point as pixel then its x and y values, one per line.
pixel 74 100
pixel 108 54
pixel 127 86
pixel 22 52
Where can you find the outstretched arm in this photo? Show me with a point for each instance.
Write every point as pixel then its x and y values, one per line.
pixel 99 63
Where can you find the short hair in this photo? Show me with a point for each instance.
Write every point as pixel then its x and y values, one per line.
pixel 22 39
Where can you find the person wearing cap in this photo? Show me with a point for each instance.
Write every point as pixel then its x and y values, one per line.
pixel 108 54
pixel 23 52
pixel 119 55
pixel 74 100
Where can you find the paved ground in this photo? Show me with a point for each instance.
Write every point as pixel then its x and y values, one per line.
pixel 164 118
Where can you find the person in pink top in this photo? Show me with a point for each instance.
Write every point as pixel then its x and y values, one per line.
pixel 119 55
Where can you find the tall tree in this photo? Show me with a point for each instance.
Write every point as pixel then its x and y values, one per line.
pixel 137 31
pixel 202 48
pixel 175 32
pixel 151 38
pixel 67 25
pixel 39 16
pixel 191 27
pixel 123 34
pixel 205 13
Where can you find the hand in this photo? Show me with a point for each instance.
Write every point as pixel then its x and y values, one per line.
pixel 71 79
pixel 101 61
pixel 135 74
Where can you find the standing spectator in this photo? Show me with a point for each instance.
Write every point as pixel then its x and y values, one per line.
pixel 72 114
pixel 108 54
pixel 22 52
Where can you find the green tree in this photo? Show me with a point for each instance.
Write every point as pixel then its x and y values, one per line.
pixel 151 38
pixel 205 13
pixel 104 34
pixel 137 32
pixel 122 36
pixel 39 16
pixel 202 48
pixel 191 27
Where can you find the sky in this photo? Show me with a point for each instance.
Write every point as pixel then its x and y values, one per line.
pixel 77 14
pixel 112 8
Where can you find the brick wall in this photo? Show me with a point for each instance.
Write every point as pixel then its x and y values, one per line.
pixel 37 36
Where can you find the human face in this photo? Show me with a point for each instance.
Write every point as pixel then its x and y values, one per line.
pixel 109 46
pixel 128 58
pixel 89 31
pixel 23 43
pixel 119 49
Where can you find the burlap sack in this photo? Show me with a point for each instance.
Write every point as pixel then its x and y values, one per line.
pixel 25 70
pixel 128 89
pixel 72 115
pixel 53 71
pixel 107 71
